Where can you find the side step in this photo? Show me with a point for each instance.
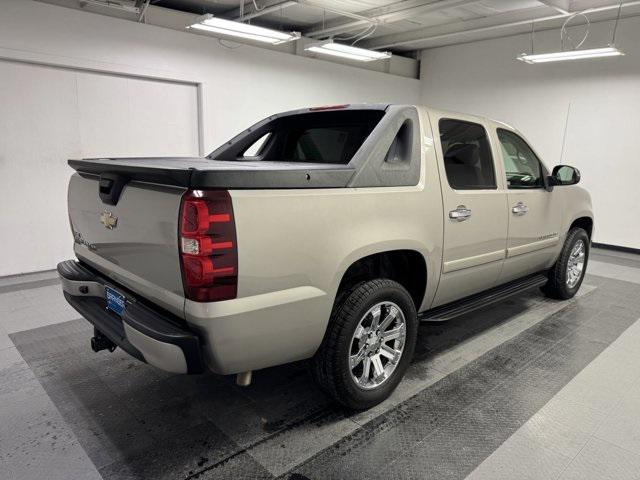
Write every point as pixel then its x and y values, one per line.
pixel 482 299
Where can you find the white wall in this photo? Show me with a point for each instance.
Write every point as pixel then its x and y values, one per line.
pixel 599 98
pixel 48 113
pixel 241 84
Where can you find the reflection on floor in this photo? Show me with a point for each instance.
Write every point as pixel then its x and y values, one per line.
pixel 505 392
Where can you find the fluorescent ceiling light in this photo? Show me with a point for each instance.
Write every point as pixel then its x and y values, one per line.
pixel 610 51
pixel 213 24
pixel 346 51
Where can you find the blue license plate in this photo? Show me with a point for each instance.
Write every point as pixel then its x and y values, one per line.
pixel 115 300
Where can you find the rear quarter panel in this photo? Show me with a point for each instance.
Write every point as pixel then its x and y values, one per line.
pixel 289 238
pixel 294 247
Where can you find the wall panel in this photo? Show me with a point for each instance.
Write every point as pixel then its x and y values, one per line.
pixel 49 115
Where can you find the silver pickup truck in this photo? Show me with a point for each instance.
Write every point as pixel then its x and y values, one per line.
pixel 324 234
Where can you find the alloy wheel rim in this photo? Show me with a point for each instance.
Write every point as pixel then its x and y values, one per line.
pixel 377 345
pixel 575 264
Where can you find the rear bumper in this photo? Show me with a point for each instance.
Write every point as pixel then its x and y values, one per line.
pixel 148 334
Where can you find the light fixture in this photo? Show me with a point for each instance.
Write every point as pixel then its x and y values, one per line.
pixel 610 51
pixel 213 24
pixel 346 51
pixel 575 52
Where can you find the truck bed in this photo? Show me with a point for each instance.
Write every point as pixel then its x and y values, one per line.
pixel 202 172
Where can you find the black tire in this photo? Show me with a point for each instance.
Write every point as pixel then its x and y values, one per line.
pixel 330 365
pixel 557 286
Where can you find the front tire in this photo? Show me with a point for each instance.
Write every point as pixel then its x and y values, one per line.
pixel 566 276
pixel 368 345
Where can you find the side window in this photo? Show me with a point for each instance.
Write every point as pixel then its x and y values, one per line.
pixel 521 165
pixel 467 155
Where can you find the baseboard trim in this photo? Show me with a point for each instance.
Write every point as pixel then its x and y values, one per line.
pixel 606 246
pixel 26 274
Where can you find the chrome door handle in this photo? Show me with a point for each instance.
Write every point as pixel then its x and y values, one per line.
pixel 460 214
pixel 520 209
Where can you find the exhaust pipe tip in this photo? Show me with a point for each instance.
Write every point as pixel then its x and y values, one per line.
pixel 243 379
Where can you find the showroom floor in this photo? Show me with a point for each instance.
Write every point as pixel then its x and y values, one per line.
pixel 530 388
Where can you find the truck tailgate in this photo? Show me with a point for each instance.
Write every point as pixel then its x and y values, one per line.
pixel 132 238
pixel 135 241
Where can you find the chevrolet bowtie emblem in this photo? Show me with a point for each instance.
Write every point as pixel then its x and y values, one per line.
pixel 108 220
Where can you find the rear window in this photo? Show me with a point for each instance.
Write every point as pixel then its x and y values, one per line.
pixel 331 137
pixel 331 144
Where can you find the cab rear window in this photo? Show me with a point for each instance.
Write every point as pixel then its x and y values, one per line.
pixel 331 137
pixel 329 144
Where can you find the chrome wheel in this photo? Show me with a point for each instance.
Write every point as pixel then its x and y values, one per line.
pixel 377 345
pixel 575 264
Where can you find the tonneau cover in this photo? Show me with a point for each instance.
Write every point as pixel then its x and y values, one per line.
pixel 199 172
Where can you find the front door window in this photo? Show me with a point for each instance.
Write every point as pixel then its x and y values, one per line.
pixel 522 167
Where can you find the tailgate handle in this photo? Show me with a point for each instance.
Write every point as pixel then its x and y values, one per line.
pixel 110 187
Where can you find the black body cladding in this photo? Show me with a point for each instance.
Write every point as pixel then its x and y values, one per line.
pixel 202 173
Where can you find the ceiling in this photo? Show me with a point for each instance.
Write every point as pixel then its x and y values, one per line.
pixel 406 25
pixel 402 26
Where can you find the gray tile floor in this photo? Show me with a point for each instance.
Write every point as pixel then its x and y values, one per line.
pixel 589 429
pixel 530 388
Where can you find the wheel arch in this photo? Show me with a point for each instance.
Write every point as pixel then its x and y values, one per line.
pixel 408 267
pixel 584 222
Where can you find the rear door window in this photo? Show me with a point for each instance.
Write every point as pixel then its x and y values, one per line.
pixel 467 155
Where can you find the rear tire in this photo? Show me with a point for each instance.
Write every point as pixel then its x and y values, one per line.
pixel 372 317
pixel 566 276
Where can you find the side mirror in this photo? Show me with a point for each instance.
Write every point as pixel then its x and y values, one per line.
pixel 564 175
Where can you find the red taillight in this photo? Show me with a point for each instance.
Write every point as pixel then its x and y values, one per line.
pixel 208 248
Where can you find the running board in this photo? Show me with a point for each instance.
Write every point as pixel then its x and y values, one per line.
pixel 482 299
